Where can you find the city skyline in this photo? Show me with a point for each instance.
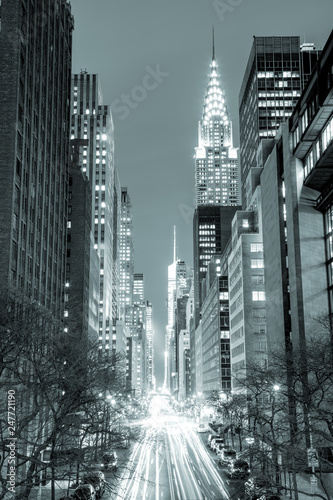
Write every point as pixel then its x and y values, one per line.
pixel 167 249
pixel 167 76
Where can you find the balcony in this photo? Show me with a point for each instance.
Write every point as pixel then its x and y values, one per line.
pixel 322 173
pixel 313 130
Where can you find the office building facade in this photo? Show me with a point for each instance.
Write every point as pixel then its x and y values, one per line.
pixel 82 261
pixel 211 233
pixel 126 256
pixel 247 295
pixel 34 148
pixel 93 121
pixel 296 199
pixel 138 288
pixel 216 375
pixel 277 70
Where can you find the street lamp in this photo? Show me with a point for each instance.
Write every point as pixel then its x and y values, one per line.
pixel 250 442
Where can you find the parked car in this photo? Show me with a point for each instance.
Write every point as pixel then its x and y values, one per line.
pixel 227 456
pixel 258 486
pixel 110 461
pixel 215 442
pixel 96 479
pixel 84 492
pixel 210 437
pixel 238 469
pixel 219 447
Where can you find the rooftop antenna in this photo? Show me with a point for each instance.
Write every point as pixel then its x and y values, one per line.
pixel 174 243
pixel 213 45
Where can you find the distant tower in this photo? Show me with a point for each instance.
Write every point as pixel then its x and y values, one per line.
pixel 126 258
pixel 216 181
pixel 150 346
pixel 138 288
pixel 177 285
pixel 216 160
pixel 93 121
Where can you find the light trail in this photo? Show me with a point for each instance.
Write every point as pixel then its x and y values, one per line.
pixel 181 461
pixel 183 472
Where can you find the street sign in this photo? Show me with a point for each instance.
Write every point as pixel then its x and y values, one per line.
pixel 313 457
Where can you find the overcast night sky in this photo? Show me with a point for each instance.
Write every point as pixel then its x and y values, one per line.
pixel 126 42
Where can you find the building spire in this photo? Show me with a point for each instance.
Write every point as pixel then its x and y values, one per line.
pixel 174 243
pixel 213 58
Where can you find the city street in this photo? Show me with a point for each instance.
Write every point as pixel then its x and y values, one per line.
pixel 171 462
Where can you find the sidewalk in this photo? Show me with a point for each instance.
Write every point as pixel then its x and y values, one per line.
pixel 44 492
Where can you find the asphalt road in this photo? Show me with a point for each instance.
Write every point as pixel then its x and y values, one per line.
pixel 171 462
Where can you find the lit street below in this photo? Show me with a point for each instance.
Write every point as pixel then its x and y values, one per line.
pixel 170 462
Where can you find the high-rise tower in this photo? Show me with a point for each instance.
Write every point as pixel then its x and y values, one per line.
pixel 138 288
pixel 216 160
pixel 178 286
pixel 150 346
pixel 35 60
pixel 216 181
pixel 277 71
pixel 93 121
pixel 126 255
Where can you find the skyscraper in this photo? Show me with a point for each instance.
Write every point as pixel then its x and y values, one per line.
pixel 138 288
pixel 216 160
pixel 177 287
pixel 126 257
pixel 150 346
pixel 82 262
pixel 35 59
pixel 276 72
pixel 93 121
pixel 211 233
pixel 216 181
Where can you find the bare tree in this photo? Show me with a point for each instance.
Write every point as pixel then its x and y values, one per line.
pixel 57 386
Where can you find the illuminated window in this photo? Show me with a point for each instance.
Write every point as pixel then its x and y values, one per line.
pixel 256 247
pixel 257 263
pixel 258 295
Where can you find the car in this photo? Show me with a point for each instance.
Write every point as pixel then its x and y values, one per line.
pixel 215 442
pixel 258 486
pixel 202 428
pixel 96 479
pixel 227 456
pixel 85 492
pixel 210 437
pixel 110 461
pixel 219 447
pixel 238 468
